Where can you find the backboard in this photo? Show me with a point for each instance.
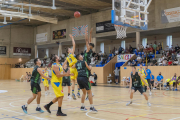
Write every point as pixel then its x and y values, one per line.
pixel 130 13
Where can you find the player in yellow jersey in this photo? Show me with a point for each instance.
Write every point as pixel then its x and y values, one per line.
pixel 72 61
pixel 143 74
pixel 45 81
pixel 56 82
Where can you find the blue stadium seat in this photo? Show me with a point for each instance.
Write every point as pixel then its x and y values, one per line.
pixel 143 64
pixel 139 53
pixel 138 64
pixel 142 53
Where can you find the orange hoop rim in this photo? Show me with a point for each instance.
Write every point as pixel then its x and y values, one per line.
pixel 118 25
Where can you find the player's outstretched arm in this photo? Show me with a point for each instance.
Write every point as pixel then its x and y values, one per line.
pixel 86 39
pixel 65 62
pixel 88 67
pixel 90 36
pixel 73 42
pixel 41 73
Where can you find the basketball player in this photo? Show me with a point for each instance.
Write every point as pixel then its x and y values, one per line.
pixel 148 78
pixel 45 81
pixel 135 84
pixel 72 61
pixel 35 86
pixel 83 82
pixel 56 83
pixel 143 74
pixel 88 52
pixel 66 80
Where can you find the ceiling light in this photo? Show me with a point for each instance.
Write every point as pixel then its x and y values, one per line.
pixel 6 2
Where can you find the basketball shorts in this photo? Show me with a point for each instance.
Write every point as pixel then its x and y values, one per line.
pixel 35 88
pixel 57 88
pixel 45 82
pixel 140 89
pixel 84 83
pixel 143 84
pixel 73 71
pixel 66 83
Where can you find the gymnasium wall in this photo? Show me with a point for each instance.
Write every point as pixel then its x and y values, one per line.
pixel 166 71
pixel 16 36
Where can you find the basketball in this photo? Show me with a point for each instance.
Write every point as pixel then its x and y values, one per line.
pixel 77 14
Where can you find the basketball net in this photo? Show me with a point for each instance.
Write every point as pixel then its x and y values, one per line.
pixel 121 31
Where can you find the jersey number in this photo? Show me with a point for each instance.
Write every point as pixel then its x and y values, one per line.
pixel 79 66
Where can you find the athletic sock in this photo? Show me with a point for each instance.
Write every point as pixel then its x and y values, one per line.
pixel 59 110
pixel 130 100
pixel 72 91
pixel 68 94
pixel 78 90
pixel 82 104
pixel 38 105
pixel 91 105
pixel 26 105
pixel 50 104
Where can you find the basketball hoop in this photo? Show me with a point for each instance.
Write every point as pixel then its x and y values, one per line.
pixel 121 31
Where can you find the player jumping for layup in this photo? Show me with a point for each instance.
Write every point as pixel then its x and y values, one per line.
pixel 56 83
pixel 72 61
pixel 135 84
pixel 84 83
pixel 88 52
pixel 35 86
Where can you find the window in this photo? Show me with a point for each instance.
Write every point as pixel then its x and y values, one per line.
pixel 123 44
pixel 102 47
pixel 47 52
pixel 169 41
pixel 144 42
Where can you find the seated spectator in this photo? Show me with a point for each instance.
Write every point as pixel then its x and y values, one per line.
pixel 139 59
pixel 170 62
pixel 154 47
pixel 130 49
pixel 141 48
pixel 147 46
pixel 143 59
pixel 175 62
pixel 164 62
pixel 147 58
pixel 116 52
pixel 129 63
pixel 120 50
pixel 173 51
pixel 133 63
pixel 109 59
pixel 172 81
pixel 159 79
pixel 93 54
pixel 177 48
pixel 173 56
pixel 154 62
pixel 167 48
pixel 150 50
pixel 160 46
pixel 127 81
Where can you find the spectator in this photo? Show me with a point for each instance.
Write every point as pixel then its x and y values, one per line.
pixel 116 73
pixel 160 46
pixel 150 50
pixel 143 59
pixel 170 62
pixel 154 62
pixel 129 63
pixel 164 62
pixel 95 79
pixel 167 48
pixel 173 56
pixel 141 48
pixel 177 48
pixel 175 62
pixel 139 59
pixel 93 54
pixel 154 46
pixel 152 80
pixel 116 52
pixel 120 50
pixel 172 81
pixel 29 76
pixel 130 49
pixel 159 79
pixel 151 64
pixel 147 46
pixel 133 63
pixel 147 58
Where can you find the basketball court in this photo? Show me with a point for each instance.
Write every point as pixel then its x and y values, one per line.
pixel 109 101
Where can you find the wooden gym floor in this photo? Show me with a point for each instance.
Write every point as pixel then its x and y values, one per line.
pixel 109 101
